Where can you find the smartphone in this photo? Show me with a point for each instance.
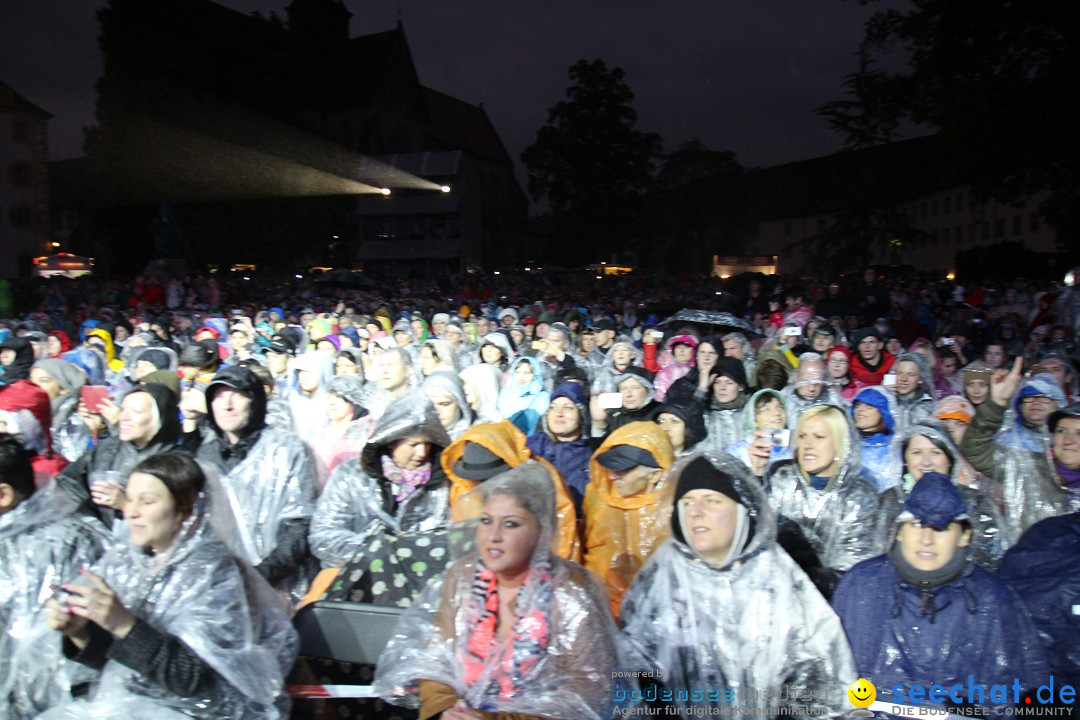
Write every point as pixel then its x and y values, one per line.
pixel 779 437
pixel 539 344
pixel 792 331
pixel 658 334
pixel 889 379
pixel 610 400
pixel 93 396
pixel 948 341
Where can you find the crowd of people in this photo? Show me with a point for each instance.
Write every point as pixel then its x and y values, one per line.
pixel 576 504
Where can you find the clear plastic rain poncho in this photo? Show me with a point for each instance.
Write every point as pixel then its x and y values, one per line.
pixel 844 521
pixel 1029 481
pixel 919 405
pixel 741 449
pixel 1015 432
pixel 746 633
pixel 198 591
pixel 990 534
pixel 42 544
pixel 70 437
pixel 810 381
pixel 358 503
pixel 274 484
pixel 556 663
pixel 604 375
pixel 749 359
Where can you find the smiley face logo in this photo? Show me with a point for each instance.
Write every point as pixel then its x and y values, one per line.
pixel 862 693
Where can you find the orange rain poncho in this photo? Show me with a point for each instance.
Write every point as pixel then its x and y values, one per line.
pixel 507 442
pixel 621 532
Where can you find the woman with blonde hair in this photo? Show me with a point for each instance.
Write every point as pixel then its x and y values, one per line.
pixel 830 517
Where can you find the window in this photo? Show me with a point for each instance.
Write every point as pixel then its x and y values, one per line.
pixel 959 202
pixel 946 205
pixel 20 131
pixel 922 211
pixel 20 173
pixel 1018 225
pixel 22 216
pixel 986 230
pixel 1033 223
pixel 999 228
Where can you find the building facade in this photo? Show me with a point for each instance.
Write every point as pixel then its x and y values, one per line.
pixel 24 183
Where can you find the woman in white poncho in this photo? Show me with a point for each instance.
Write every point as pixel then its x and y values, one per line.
pixel 511 630
pixel 179 626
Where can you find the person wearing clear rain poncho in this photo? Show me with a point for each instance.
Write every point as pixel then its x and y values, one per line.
pixel 722 611
pixel 765 423
pixel 829 516
pixel 928 447
pixel 809 387
pixel 63 381
pixel 383 515
pixel 914 389
pixel 926 614
pixel 149 424
pixel 178 625
pixel 269 477
pixel 1036 484
pixel 446 392
pixel 511 632
pixel 42 543
pixel 618 359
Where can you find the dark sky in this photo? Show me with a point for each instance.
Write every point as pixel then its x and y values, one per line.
pixel 741 75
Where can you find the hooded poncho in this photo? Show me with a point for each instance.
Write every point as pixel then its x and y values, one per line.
pixel 200 593
pixel 621 532
pixel 42 544
pixel 558 659
pixel 732 630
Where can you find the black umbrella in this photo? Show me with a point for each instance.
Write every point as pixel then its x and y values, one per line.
pixel 718 322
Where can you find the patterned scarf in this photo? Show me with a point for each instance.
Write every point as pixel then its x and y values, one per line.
pixel 504 671
pixel 405 481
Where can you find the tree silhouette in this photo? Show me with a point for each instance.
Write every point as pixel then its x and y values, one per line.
pixel 997 79
pixel 589 162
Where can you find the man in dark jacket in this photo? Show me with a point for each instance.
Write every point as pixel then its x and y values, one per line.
pixel 1042 568
pixel 925 614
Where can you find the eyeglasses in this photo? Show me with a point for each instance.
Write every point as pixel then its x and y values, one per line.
pixel 1040 399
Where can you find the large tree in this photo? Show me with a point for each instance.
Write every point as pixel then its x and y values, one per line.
pixel 996 78
pixel 589 162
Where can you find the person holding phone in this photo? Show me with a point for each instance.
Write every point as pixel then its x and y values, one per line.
pixel 177 623
pixel 767 438
pixel 42 543
pixel 831 517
